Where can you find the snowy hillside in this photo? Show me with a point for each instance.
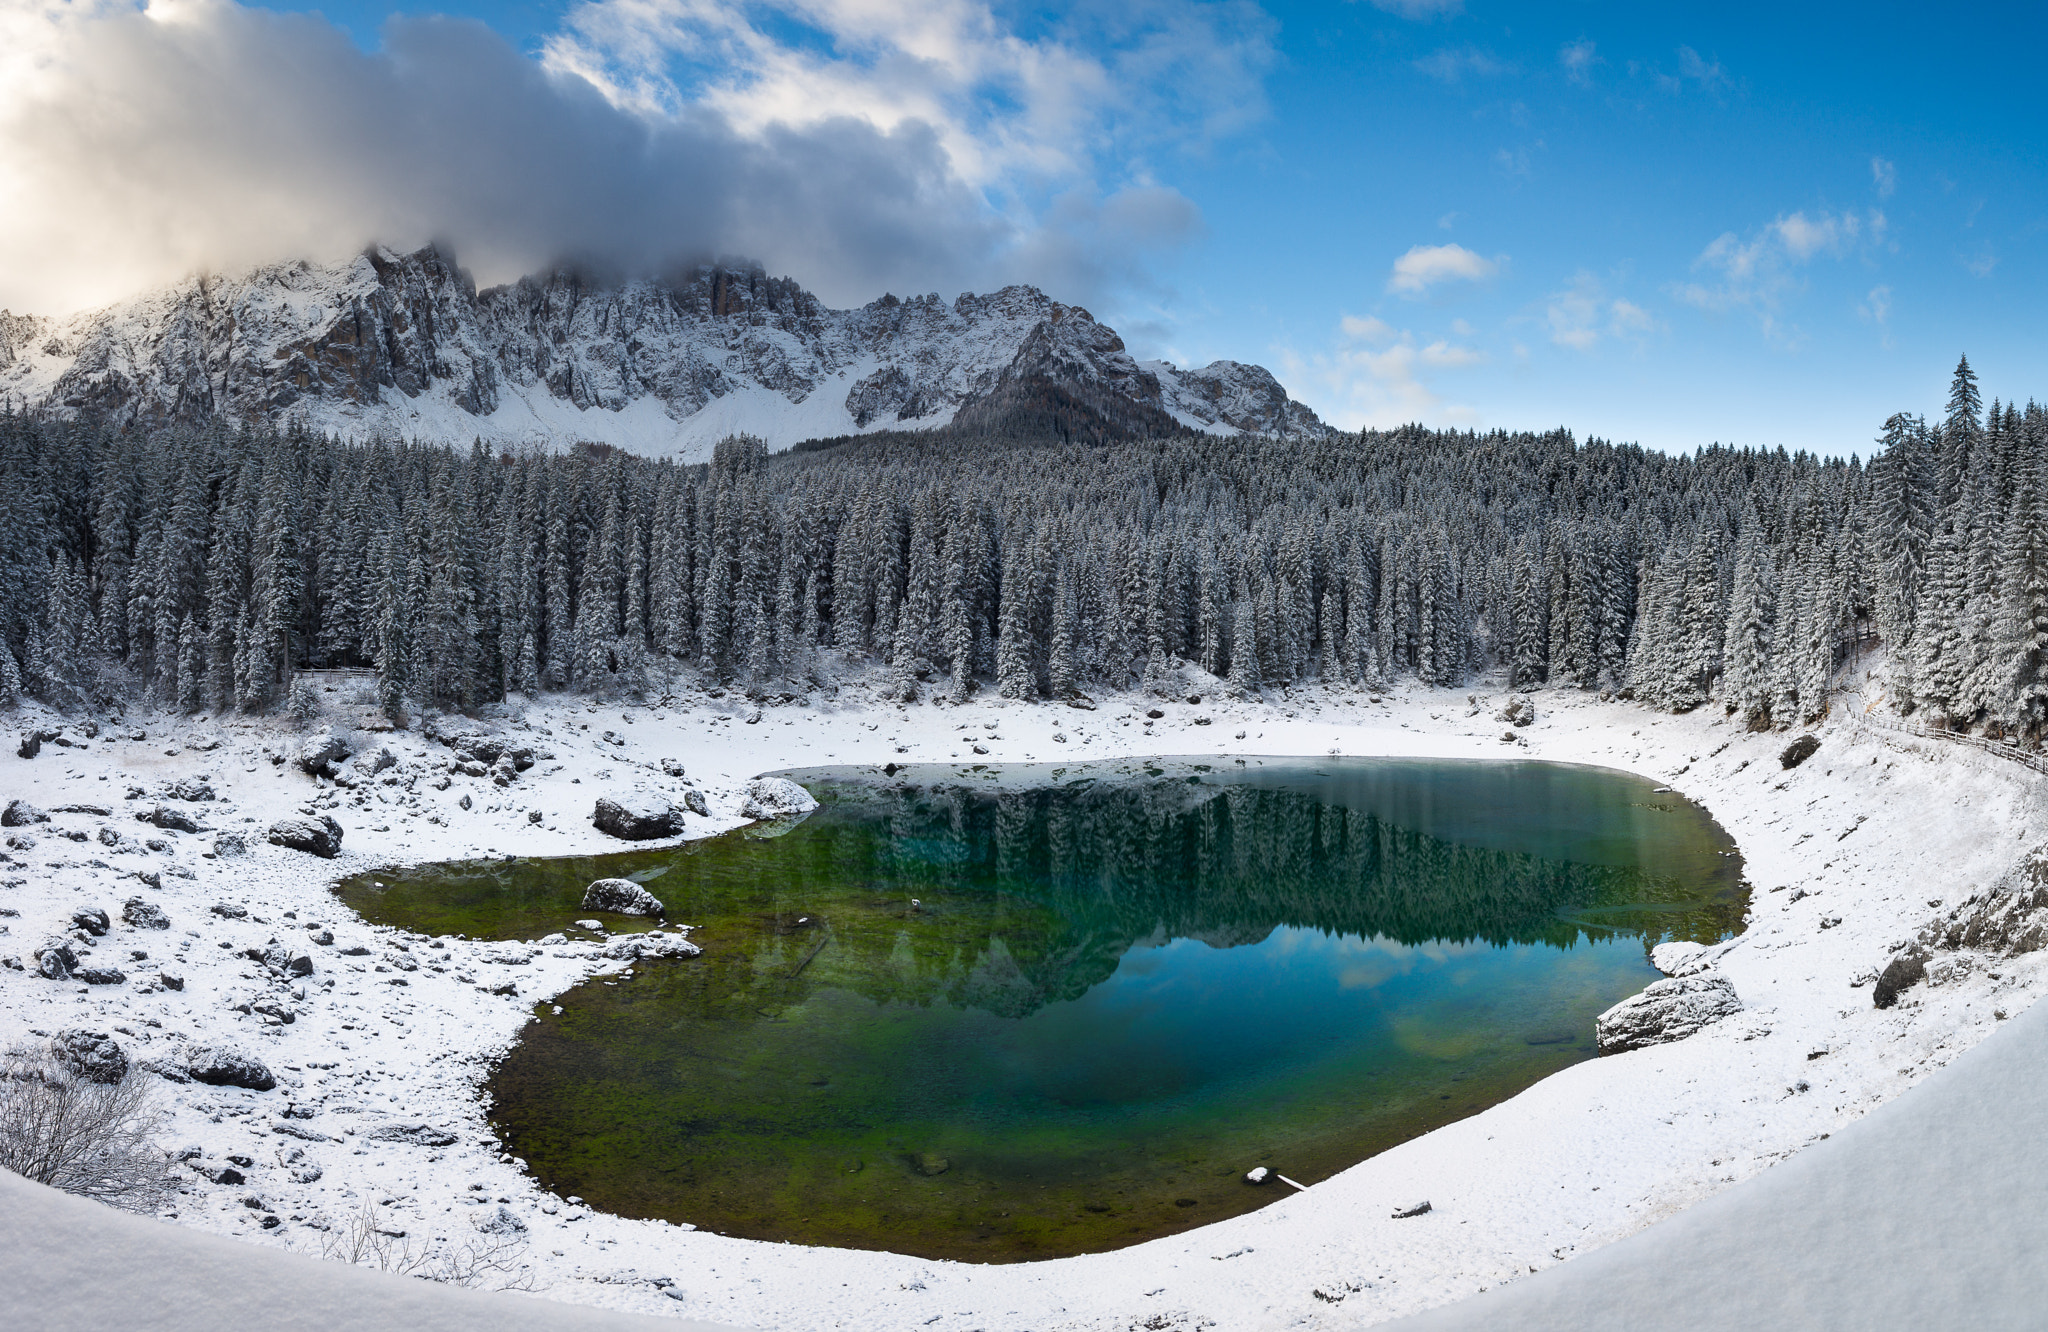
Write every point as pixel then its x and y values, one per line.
pixel 404 344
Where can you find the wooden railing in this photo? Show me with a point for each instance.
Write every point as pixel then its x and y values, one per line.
pixel 2005 749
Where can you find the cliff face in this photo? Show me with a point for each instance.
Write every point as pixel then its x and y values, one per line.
pixel 405 344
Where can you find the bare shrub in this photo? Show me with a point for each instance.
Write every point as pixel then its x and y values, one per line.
pixel 486 1262
pixel 94 1139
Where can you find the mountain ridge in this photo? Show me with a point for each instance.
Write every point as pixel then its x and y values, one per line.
pixel 405 344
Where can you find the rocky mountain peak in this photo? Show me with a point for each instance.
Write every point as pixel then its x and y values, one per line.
pixel 403 343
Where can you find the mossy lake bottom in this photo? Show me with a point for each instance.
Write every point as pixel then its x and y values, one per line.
pixel 1004 1013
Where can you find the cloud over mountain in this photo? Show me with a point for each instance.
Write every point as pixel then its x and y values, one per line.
pixel 938 150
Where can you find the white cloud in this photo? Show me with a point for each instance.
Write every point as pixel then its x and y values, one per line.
pixel 1885 176
pixel 1425 266
pixel 1366 328
pixel 1583 313
pixel 854 145
pixel 1376 375
pixel 1452 66
pixel 1759 273
pixel 1578 59
pixel 1421 9
pixel 1706 73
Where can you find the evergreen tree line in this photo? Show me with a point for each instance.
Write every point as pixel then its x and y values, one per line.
pixel 204 565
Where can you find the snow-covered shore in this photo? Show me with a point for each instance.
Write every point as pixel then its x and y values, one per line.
pixel 1848 853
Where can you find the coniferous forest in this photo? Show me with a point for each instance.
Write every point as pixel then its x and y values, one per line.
pixel 202 566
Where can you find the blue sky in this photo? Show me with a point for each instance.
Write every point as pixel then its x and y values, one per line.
pixel 1674 224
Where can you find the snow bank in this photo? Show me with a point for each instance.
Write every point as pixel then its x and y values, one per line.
pixel 67 1262
pixel 1927 1215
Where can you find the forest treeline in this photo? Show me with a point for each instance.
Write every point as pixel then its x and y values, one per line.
pixel 203 565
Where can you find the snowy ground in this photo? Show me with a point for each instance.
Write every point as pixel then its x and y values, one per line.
pixel 1848 853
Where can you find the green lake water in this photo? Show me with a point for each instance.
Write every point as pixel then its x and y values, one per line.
pixel 1020 1012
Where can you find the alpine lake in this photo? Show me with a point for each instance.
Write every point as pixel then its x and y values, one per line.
pixel 998 1013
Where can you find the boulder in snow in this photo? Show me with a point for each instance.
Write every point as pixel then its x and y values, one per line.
pixel 503 1222
pixel 1799 751
pixel 92 920
pixel 1517 711
pixel 190 789
pixel 1669 1010
pixel 1906 969
pixel 20 813
pixel 167 817
pixel 319 836
pixel 320 754
pixel 92 1055
pixel 622 896
pixel 102 975
pixel 55 959
pixel 776 798
pixel 637 816
pixel 225 1066
pixel 415 1134
pixel 144 915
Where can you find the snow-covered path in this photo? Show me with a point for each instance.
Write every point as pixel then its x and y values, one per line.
pixel 1847 853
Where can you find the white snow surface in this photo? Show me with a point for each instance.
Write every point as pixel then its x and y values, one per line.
pixel 1868 834
pixel 404 346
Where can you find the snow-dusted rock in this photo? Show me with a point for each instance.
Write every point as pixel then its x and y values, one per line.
pixel 20 814
pixel 226 1066
pixel 637 816
pixel 92 920
pixel 776 798
pixel 622 896
pixel 92 1055
pixel 636 947
pixel 320 836
pixel 413 1133
pixel 171 819
pixel 1517 711
pixel 1669 1010
pixel 1679 958
pixel 55 959
pixel 144 915
pixel 320 753
pixel 501 1221
pixel 102 976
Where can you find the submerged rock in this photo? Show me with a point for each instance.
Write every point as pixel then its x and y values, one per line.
pixel 636 947
pixel 776 798
pixel 319 836
pixel 1669 1010
pixel 637 817
pixel 622 896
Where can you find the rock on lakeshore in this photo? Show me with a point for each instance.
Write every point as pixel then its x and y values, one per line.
pixel 637 817
pixel 1669 1010
pixel 776 798
pixel 318 836
pixel 622 896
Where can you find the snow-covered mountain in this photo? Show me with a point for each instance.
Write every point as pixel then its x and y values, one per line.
pixel 404 344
